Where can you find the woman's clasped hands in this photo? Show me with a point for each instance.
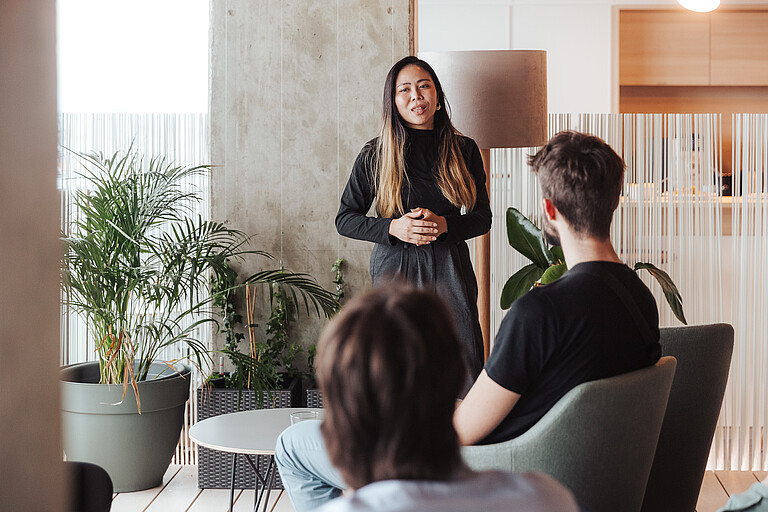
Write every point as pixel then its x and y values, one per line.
pixel 420 226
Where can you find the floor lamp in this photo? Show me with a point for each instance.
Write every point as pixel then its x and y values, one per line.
pixel 499 98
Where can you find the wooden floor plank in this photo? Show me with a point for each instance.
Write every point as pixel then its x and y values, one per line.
pixel 736 482
pixel 179 493
pixel 712 495
pixel 138 501
pixel 179 490
pixel 212 500
pixel 277 502
pixel 283 503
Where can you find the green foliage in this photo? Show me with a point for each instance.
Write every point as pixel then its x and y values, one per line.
pixel 137 264
pixel 548 265
pixel 278 346
pixel 223 290
pixel 311 355
pixel 671 292
pixel 338 278
pixel 519 284
pixel 260 367
pixel 525 238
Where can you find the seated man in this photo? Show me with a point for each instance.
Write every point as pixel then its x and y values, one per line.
pixel 390 368
pixel 597 321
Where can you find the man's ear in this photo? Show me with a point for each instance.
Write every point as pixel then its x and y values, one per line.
pixel 549 209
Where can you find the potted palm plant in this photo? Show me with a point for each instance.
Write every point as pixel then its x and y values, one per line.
pixel 137 267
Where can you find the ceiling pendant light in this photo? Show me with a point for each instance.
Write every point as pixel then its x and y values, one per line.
pixel 700 5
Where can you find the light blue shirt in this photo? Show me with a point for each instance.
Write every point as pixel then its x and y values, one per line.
pixel 489 491
pixel 753 500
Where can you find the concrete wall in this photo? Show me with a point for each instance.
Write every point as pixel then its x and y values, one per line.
pixel 296 91
pixel 30 446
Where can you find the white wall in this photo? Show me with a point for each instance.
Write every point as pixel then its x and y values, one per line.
pixel 577 39
pixel 463 25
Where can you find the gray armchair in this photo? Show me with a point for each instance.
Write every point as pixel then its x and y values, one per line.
pixel 703 354
pixel 598 440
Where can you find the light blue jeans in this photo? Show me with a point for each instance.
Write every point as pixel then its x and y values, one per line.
pixel 307 473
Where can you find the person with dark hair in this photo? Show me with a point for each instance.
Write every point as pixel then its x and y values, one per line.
pixel 597 321
pixel 390 371
pixel 428 185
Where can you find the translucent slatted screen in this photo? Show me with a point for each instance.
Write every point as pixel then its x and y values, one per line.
pixel 182 138
pixel 672 215
pixel 741 438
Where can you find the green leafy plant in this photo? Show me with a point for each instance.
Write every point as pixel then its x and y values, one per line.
pixel 548 265
pixel 137 263
pixel 338 278
pixel 260 367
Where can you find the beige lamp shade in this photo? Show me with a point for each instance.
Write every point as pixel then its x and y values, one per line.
pixel 497 97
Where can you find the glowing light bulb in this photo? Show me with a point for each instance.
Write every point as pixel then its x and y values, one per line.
pixel 700 5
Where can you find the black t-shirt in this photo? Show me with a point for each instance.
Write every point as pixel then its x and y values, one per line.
pixel 571 331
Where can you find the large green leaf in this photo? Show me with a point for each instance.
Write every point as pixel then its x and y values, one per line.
pixel 526 238
pixel 519 284
pixel 671 292
pixel 557 253
pixel 553 273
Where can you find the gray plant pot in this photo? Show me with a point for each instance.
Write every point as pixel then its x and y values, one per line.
pixel 134 448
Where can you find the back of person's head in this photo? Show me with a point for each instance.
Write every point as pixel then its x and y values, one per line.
pixel 582 176
pixel 390 368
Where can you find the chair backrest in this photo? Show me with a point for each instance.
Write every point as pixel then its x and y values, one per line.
pixel 89 486
pixel 703 354
pixel 598 440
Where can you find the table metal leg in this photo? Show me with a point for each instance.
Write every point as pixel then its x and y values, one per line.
pixel 269 477
pixel 267 482
pixel 232 485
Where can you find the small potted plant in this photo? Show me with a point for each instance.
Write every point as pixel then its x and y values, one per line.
pixel 264 371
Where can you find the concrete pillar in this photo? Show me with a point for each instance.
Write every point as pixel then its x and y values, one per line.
pixel 30 446
pixel 296 91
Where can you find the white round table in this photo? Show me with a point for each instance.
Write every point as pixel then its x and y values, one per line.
pixel 247 433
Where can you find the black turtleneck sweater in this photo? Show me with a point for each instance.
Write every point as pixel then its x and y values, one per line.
pixel 420 191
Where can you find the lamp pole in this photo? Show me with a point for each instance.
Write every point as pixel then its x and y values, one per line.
pixel 499 98
pixel 483 268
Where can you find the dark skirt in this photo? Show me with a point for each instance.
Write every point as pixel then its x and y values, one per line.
pixel 445 269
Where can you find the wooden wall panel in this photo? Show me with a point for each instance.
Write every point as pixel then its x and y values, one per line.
pixel 663 48
pixel 739 54
pixel 723 100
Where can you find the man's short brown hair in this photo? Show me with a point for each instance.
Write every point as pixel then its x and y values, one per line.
pixel 390 367
pixel 582 176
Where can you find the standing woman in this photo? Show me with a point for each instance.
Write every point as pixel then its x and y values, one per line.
pixel 428 184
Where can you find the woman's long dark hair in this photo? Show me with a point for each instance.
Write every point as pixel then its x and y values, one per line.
pixel 453 177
